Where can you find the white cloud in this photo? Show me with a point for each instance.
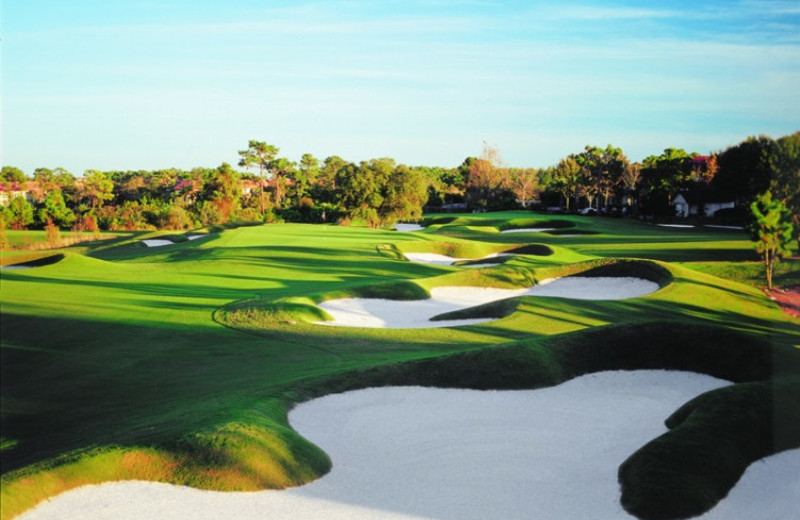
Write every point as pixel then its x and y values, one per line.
pixel 593 12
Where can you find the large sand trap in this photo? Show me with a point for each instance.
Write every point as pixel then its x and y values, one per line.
pixel 157 242
pixel 424 454
pixel 437 259
pixel 15 267
pixel 406 228
pixel 396 314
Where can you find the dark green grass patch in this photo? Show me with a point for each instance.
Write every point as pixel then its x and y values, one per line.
pixel 567 232
pixel 40 262
pixel 711 442
pixel 523 223
pixel 531 249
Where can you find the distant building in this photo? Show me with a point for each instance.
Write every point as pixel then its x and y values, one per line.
pixel 700 201
pixel 12 190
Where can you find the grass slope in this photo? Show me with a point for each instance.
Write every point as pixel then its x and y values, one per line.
pixel 179 363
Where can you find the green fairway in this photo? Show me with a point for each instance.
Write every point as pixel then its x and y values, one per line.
pixel 178 363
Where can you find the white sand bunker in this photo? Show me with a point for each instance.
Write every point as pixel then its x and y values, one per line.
pixel 594 288
pixel 679 226
pixel 421 454
pixel 397 314
pixel 437 259
pixel 15 267
pixel 157 242
pixel 406 228
pixel 528 230
pixel 737 228
pixel 195 237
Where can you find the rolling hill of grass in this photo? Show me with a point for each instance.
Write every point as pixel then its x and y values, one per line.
pixel 179 363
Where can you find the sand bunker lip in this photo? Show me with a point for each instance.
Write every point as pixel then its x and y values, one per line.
pixel 528 230
pixel 407 228
pixel 160 242
pixel 437 259
pixel 39 262
pixel 421 453
pixel 416 314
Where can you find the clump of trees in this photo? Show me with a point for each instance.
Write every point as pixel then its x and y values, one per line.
pixel 381 192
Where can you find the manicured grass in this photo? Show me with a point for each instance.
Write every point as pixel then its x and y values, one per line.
pixel 787 271
pixel 179 363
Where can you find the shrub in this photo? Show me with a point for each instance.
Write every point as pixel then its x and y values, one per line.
pixel 53 235
pixel 177 218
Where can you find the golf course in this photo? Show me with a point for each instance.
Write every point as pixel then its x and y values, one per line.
pixel 197 358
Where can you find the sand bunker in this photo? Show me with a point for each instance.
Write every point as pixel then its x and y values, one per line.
pixel 157 242
pixel 415 453
pixel 528 230
pixel 437 259
pixel 195 237
pixel 15 267
pixel 405 228
pixel 594 288
pixel 738 228
pixel 395 314
pixel 680 226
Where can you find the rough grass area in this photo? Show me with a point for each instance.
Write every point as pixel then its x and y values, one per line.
pixel 787 272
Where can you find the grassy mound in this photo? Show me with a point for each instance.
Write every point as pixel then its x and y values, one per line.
pixel 612 267
pixel 523 223
pixel 260 315
pixel 452 248
pixel 711 442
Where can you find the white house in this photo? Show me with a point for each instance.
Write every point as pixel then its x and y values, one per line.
pixel 689 204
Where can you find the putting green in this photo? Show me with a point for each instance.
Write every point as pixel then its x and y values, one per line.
pixel 179 363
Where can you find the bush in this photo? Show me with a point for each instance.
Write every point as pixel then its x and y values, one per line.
pixel 177 218
pixel 246 215
pixel 209 215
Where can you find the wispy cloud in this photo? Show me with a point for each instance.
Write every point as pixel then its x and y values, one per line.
pixel 594 12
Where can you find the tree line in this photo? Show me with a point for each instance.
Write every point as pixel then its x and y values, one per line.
pixel 380 192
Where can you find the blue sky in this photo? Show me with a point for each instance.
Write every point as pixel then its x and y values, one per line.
pixel 145 84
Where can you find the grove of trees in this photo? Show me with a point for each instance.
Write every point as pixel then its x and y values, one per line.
pixel 380 192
